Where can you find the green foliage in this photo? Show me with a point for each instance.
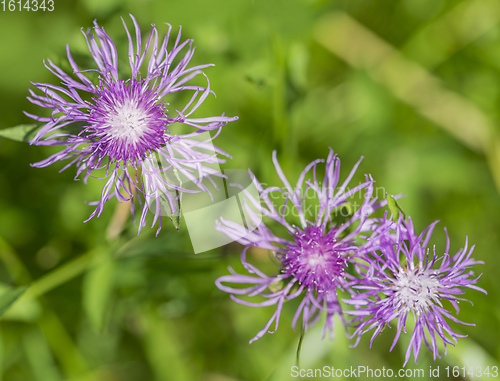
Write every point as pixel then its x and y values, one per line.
pixel 97 288
pixel 409 85
pixel 8 297
pixel 26 132
pixel 394 208
pixel 21 133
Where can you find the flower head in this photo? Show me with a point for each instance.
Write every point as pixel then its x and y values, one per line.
pixel 121 126
pixel 313 257
pixel 403 278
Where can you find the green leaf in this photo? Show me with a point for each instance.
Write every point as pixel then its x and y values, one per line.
pixel 28 310
pixel 97 289
pixel 299 346
pixel 9 297
pixel 394 207
pixel 26 132
pixel 21 133
pixel 40 357
pixel 164 347
pixel 174 215
pixel 342 214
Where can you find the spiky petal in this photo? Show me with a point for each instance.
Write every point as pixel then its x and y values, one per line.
pixel 122 124
pixel 312 258
pixel 404 278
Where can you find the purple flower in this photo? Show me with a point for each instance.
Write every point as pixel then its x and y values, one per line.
pixel 313 257
pixel 118 128
pixel 402 278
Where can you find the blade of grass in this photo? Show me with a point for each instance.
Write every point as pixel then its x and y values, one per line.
pixel 412 84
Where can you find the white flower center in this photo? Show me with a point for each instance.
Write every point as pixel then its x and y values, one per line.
pixel 128 122
pixel 315 259
pixel 416 290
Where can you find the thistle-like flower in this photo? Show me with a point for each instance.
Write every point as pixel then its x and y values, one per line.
pixel 403 278
pixel 121 125
pixel 313 257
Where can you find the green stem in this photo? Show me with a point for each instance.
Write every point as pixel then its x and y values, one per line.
pixel 58 338
pixel 299 346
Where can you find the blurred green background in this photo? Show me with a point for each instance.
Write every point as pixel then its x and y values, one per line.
pixel 411 85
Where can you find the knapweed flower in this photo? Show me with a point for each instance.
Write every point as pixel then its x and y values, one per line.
pixel 404 278
pixel 122 124
pixel 312 258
